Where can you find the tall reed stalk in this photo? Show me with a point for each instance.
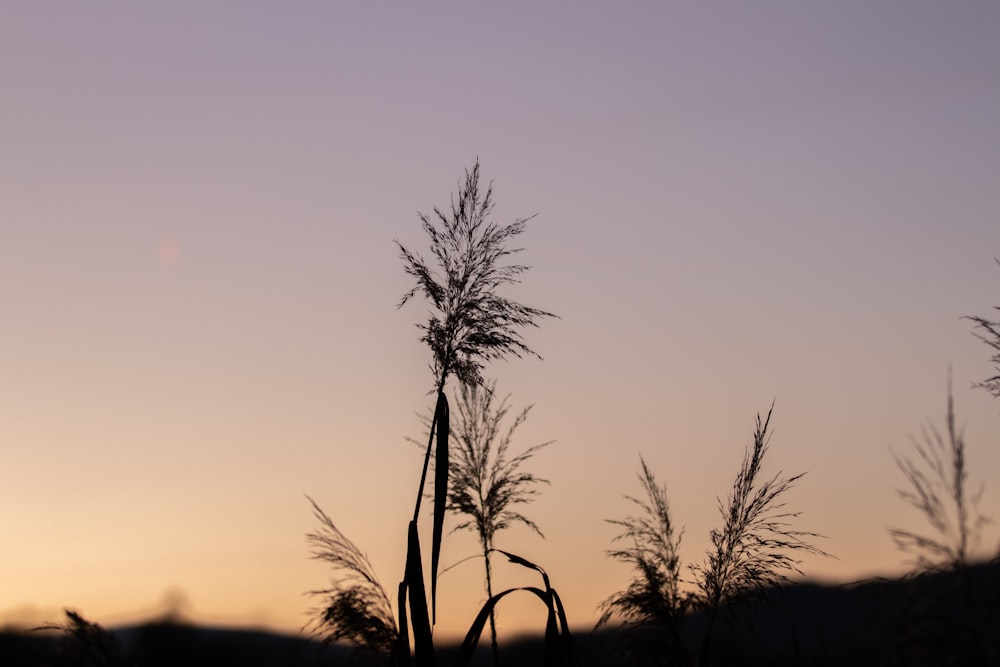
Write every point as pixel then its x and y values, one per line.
pixel 470 324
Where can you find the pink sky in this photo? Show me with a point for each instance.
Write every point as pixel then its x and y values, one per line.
pixel 198 278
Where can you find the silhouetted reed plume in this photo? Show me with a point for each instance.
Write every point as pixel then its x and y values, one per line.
pixel 356 607
pixel 756 548
pixel 470 324
pixel 653 606
pixel 487 482
pixel 937 480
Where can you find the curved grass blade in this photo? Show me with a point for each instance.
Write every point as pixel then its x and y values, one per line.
pixel 441 466
pixel 468 648
pixel 423 643
pixel 524 562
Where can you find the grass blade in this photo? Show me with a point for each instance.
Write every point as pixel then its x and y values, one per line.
pixel 471 640
pixel 441 468
pixel 401 652
pixel 423 644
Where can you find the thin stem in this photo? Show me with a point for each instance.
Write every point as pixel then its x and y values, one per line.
pixel 489 596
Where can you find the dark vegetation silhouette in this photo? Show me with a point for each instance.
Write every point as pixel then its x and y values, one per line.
pixel 166 642
pixel 952 621
pixel 488 482
pixel 956 619
pixel 356 608
pixel 470 325
pixel 653 606
pixel 752 554
pixel 85 644
pixel 946 611
pixel 938 488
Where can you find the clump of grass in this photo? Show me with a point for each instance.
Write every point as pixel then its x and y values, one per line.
pixel 487 482
pixel 471 324
pixel 355 608
pixel 653 606
pixel 756 548
pixel 85 644
pixel 948 619
pixel 937 480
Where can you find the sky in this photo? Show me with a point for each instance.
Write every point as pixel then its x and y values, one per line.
pixel 735 205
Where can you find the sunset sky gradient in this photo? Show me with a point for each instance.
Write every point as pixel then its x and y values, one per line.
pixel 737 203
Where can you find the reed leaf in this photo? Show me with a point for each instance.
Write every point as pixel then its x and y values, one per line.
pixel 423 640
pixel 400 656
pixel 441 470
pixel 558 649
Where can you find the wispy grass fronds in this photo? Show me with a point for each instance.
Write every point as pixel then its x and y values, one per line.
pixel 356 607
pixel 652 550
pixel 757 546
pixel 86 644
pixel 471 323
pixel 487 481
pixel 937 480
pixel 988 331
pixel 653 606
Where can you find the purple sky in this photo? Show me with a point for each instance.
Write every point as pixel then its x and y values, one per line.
pixel 736 204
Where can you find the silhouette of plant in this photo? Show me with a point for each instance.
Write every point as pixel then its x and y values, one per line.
pixel 947 619
pixel 989 332
pixel 473 324
pixel 937 481
pixel 486 481
pixel 86 644
pixel 653 606
pixel 356 607
pixel 470 324
pixel 757 547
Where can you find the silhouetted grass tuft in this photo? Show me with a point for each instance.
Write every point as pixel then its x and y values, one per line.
pixel 653 606
pixel 757 547
pixel 85 644
pixel 356 607
pixel 938 481
pixel 486 481
pixel 755 550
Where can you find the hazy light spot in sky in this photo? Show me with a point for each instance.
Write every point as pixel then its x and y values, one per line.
pixel 168 251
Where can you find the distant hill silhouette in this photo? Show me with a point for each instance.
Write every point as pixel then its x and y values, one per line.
pixel 934 619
